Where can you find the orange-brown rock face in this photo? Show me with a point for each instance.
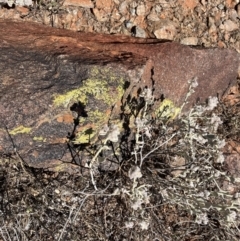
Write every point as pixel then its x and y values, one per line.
pixel 50 77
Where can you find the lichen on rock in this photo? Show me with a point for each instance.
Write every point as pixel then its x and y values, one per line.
pixel 99 93
pixel 20 130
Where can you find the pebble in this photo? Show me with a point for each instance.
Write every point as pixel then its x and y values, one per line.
pixel 230 26
pixel 139 32
pixel 190 41
pixel 79 3
pixel 123 8
pixel 166 32
pixel 141 10
pixel 238 9
pixel 153 16
pixel 100 15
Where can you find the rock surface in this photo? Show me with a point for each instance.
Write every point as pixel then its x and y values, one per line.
pixel 50 78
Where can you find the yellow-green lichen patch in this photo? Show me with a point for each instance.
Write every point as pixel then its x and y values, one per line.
pixel 167 110
pixel 96 120
pixel 39 138
pixel 20 130
pixel 96 116
pixel 65 99
pixel 99 93
pixel 101 85
pixel 86 135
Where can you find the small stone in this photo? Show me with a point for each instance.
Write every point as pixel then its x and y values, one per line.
pixel 230 3
pixel 188 4
pixel 100 15
pixel 115 15
pixel 221 44
pixel 212 30
pixel 141 10
pixel 230 26
pixel 221 6
pixel 139 32
pixel 22 10
pixel 238 9
pixel 190 41
pixel 167 31
pixel 80 14
pixel 233 15
pixel 153 16
pixel 123 8
pixel 79 3
pixel 107 5
pixel 129 24
pixel 56 191
pixel 139 21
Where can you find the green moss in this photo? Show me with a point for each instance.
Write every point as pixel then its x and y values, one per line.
pixel 20 130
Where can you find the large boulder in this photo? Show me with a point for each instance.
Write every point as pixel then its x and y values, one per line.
pixel 58 85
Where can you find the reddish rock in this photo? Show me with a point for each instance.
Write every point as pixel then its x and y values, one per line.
pixel 47 73
pixel 79 3
pixel 105 4
pixel 189 4
pixel 22 10
pixel 230 3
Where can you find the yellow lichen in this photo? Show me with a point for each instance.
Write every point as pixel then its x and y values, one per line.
pixel 39 138
pixel 85 136
pixel 87 133
pixel 20 130
pixel 103 87
pixel 97 85
pixel 167 109
pixel 65 99
pixel 96 116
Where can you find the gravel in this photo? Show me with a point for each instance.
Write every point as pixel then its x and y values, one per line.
pixel 191 22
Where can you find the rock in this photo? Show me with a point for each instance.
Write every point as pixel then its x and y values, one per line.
pixel 233 15
pixel 79 3
pixel 188 4
pixel 230 26
pixel 238 9
pixel 57 84
pixel 190 41
pixel 153 16
pixel 141 10
pixel 123 8
pixel 106 5
pixel 100 15
pixel 139 32
pixel 230 3
pixel 166 31
pixel 23 11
